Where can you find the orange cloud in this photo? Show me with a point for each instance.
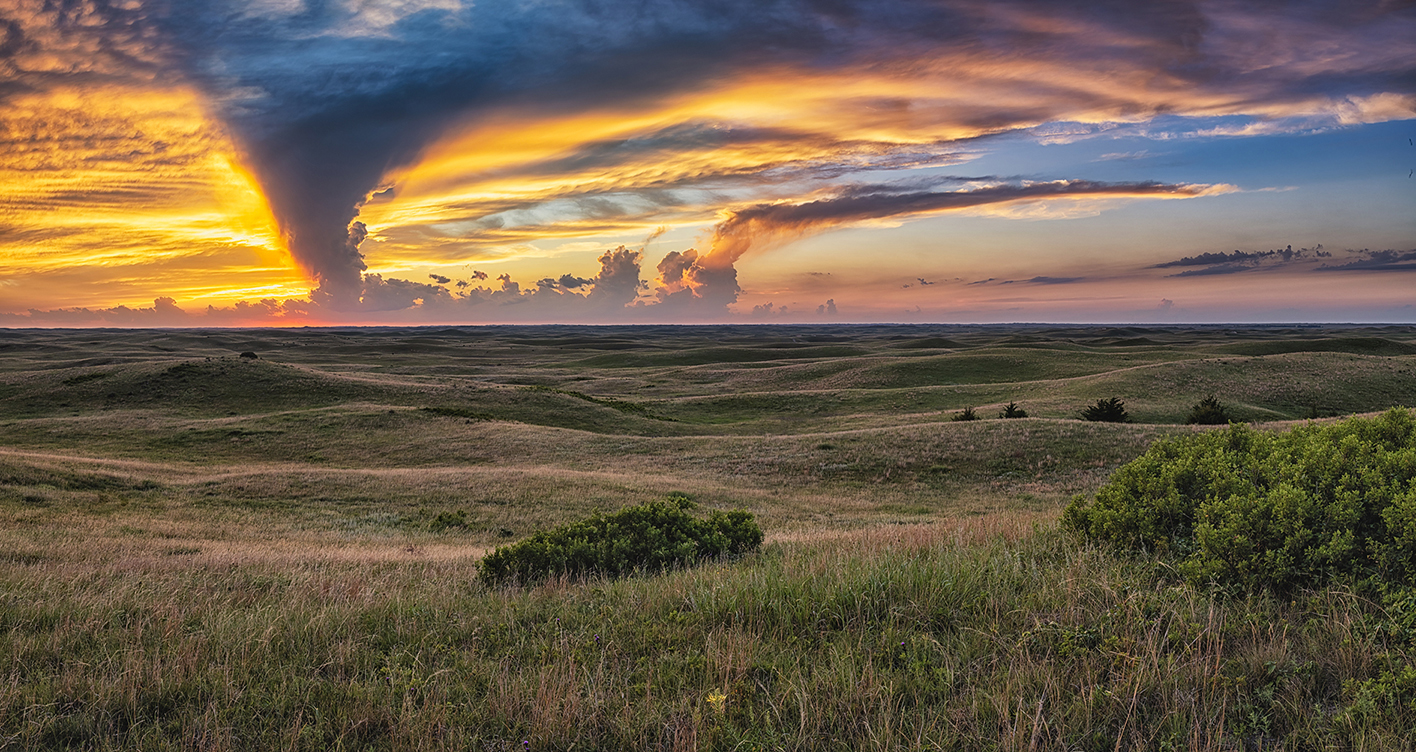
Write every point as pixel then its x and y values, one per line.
pixel 115 192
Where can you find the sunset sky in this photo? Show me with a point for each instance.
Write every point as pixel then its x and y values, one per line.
pixel 309 162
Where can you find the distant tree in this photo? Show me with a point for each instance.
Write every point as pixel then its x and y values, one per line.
pixel 967 414
pixel 1011 410
pixel 1111 410
pixel 1208 412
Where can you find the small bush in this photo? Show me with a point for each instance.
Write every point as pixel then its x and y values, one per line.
pixel 1208 412
pixel 966 414
pixel 1011 410
pixel 1111 410
pixel 446 521
pixel 1246 509
pixel 651 537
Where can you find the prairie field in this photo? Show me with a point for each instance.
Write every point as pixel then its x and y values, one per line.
pixel 205 550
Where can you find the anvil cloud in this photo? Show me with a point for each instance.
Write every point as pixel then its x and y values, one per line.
pixel 152 142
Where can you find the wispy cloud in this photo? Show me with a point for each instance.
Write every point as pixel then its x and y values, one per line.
pixel 768 225
pixel 1044 281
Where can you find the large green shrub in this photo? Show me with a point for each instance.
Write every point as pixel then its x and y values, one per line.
pixel 652 536
pixel 1244 508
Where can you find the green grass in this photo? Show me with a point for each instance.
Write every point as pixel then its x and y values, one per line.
pixel 203 551
pixel 969 636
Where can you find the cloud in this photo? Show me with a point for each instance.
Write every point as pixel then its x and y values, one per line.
pixel 1044 281
pixel 617 293
pixel 1314 259
pixel 566 282
pixel 476 125
pixel 1212 263
pixel 618 282
pixel 1125 156
pixel 1383 261
pixel 770 225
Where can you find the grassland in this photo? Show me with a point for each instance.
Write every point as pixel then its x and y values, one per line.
pixel 205 551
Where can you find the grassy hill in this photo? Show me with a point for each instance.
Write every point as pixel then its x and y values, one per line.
pixel 204 550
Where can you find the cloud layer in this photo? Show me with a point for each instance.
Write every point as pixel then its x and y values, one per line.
pixel 405 130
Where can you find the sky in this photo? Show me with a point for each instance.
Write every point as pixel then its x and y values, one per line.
pixel 326 162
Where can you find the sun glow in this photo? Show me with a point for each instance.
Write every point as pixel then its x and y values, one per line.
pixel 125 191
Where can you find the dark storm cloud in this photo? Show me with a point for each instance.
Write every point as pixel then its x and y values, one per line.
pixel 324 114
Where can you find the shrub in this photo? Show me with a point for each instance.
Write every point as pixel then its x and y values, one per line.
pixel 1208 412
pixel 446 521
pixel 1111 410
pixel 966 414
pixel 1246 509
pixel 1011 410
pixel 649 537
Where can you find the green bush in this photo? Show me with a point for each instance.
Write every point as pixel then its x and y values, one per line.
pixel 651 537
pixel 1248 509
pixel 966 414
pixel 1011 410
pixel 446 521
pixel 1111 410
pixel 1208 412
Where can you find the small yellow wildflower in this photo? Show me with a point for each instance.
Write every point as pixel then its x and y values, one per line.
pixel 717 700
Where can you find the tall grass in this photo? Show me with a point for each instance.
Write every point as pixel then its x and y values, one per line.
pixel 979 635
